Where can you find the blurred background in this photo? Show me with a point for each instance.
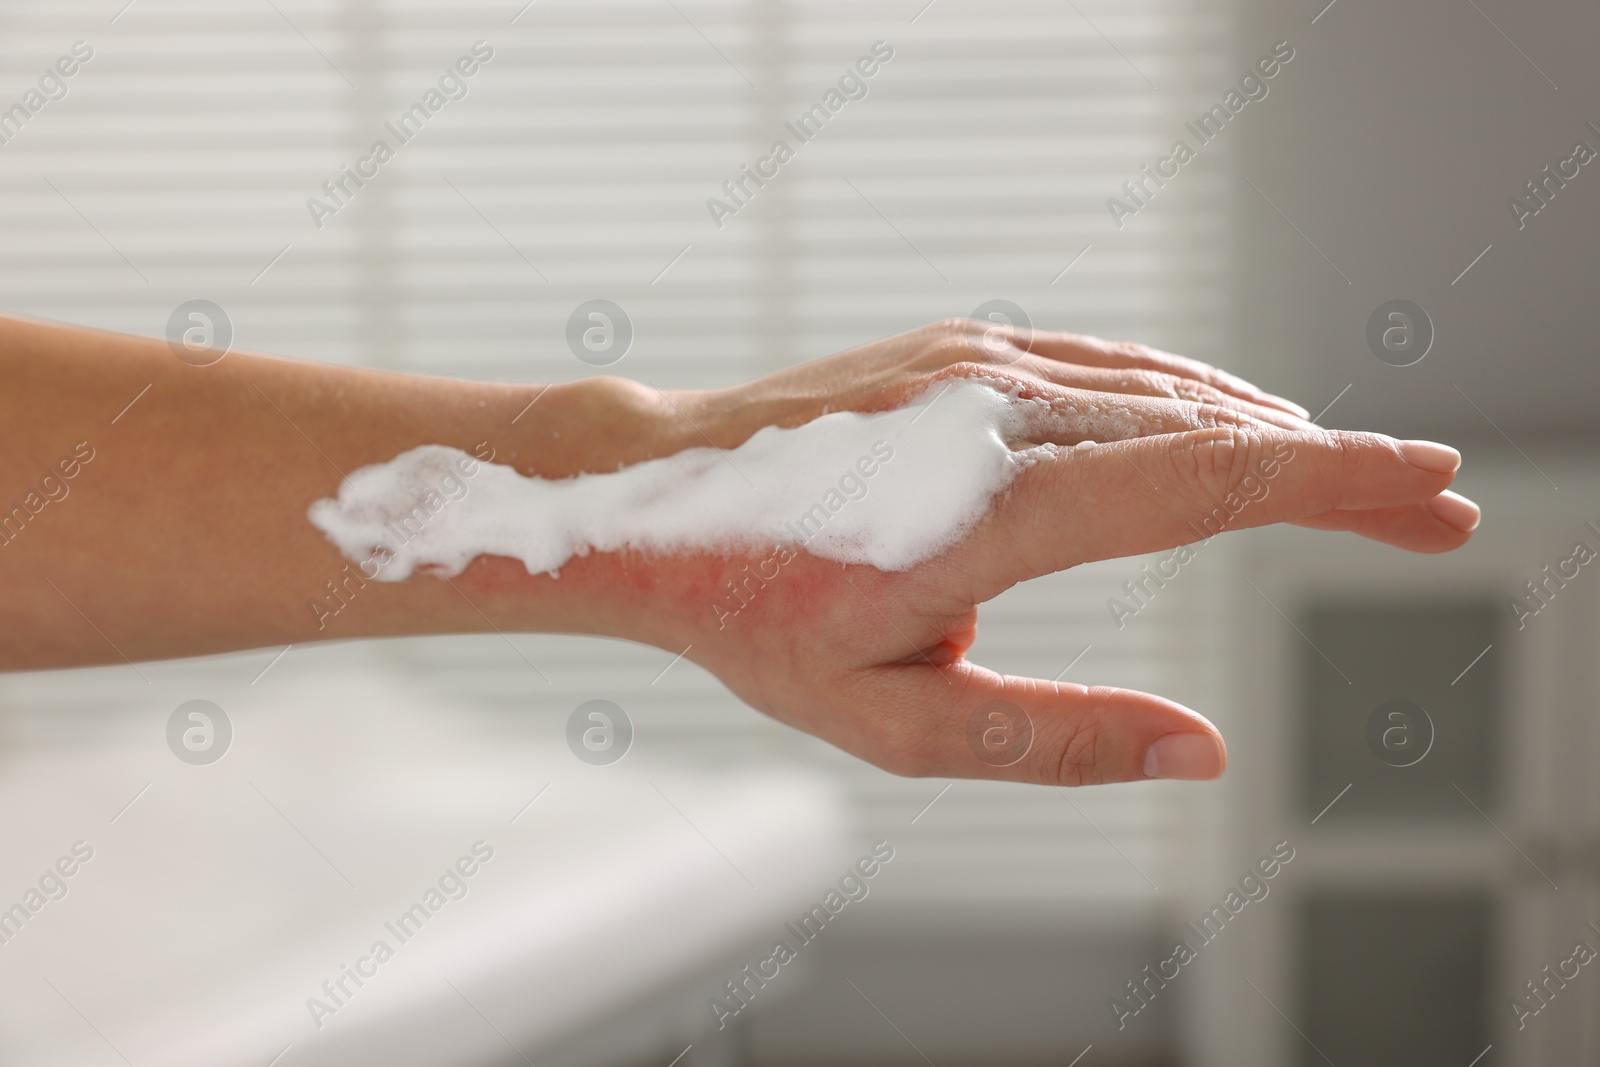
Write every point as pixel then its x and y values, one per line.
pixel 1395 228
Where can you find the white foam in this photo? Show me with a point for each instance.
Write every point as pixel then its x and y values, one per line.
pixel 889 489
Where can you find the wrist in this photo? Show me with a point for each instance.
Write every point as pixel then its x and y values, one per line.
pixel 555 432
pixel 589 426
pixel 596 426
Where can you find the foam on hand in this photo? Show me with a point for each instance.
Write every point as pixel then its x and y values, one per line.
pixel 889 489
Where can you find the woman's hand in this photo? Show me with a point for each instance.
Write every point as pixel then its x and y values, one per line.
pixel 874 661
pixel 158 508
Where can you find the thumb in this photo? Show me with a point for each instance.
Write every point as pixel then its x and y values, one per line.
pixel 988 725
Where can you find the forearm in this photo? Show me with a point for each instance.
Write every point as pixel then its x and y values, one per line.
pixel 149 508
pixel 185 531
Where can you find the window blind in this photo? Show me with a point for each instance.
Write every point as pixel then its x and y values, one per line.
pixel 577 164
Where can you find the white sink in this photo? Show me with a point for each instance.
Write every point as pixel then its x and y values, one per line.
pixel 219 901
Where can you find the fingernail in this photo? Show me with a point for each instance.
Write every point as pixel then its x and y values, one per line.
pixel 1304 413
pixel 1455 510
pixel 1187 756
pixel 1430 456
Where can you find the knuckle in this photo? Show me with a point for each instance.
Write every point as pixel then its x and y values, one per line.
pixel 952 348
pixel 956 326
pixel 1077 753
pixel 1145 382
pixel 972 341
pixel 1199 392
pixel 1130 350
pixel 963 366
pixel 1148 357
pixel 1211 414
pixel 1164 382
pixel 1216 459
pixel 1169 385
pixel 1352 453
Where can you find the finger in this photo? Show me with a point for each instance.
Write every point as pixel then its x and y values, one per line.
pixel 1062 415
pixel 1071 416
pixel 1438 525
pixel 1137 382
pixel 1131 497
pixel 969 722
pixel 1094 352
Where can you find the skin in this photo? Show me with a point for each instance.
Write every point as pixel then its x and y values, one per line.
pixel 185 533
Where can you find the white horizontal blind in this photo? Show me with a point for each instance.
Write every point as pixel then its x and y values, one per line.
pixel 978 167
pixel 177 167
pixel 578 166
